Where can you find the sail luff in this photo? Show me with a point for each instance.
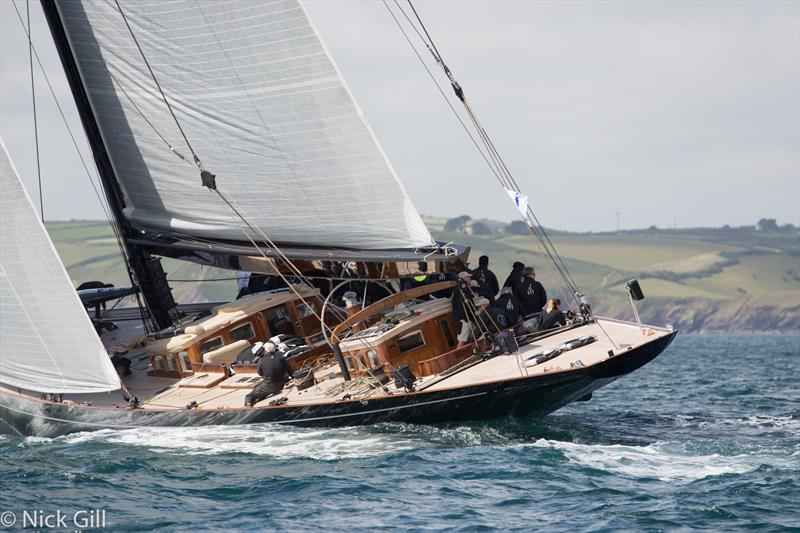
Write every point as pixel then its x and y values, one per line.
pixel 47 342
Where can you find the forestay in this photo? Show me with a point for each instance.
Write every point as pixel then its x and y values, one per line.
pixel 47 342
pixel 263 106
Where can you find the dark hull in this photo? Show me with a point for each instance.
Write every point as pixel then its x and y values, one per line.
pixel 534 396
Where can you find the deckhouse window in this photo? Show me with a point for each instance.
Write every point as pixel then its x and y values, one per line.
pixel 186 362
pixel 245 331
pixel 279 321
pixel 411 341
pixel 304 310
pixel 211 344
pixel 448 334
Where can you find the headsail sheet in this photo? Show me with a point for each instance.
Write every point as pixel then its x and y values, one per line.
pixel 263 106
pixel 47 342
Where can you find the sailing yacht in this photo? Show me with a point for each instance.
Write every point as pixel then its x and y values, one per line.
pixel 224 135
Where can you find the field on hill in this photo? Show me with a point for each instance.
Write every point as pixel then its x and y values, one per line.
pixel 89 251
pixel 694 279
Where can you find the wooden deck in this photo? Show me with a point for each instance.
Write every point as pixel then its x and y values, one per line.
pixel 214 391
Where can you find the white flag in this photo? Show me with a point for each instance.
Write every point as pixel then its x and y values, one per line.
pixel 520 200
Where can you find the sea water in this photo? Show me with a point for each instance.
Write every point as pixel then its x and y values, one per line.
pixel 707 436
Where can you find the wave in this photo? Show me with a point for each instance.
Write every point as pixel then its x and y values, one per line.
pixel 661 460
pixel 268 440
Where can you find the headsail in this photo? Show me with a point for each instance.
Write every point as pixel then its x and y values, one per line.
pixel 47 342
pixel 262 104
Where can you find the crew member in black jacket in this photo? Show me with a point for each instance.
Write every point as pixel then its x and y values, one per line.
pixel 510 305
pixel 488 275
pixel 531 293
pixel 274 370
pixel 515 277
pixel 553 316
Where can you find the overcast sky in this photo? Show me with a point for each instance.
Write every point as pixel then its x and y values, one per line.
pixel 684 112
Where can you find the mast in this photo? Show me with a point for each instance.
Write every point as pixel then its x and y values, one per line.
pixel 144 268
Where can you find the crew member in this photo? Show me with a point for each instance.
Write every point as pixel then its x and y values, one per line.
pixel 421 276
pixel 489 277
pixel 515 277
pixel 531 293
pixel 553 315
pixel 274 371
pixel 480 286
pixel 509 304
pixel 95 285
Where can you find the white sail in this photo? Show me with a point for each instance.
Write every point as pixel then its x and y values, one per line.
pixel 47 342
pixel 262 104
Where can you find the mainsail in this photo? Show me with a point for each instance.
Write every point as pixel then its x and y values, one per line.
pixel 262 104
pixel 47 342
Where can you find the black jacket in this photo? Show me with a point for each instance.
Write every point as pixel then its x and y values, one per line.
pixel 491 279
pixel 513 279
pixel 531 295
pixel 510 306
pixel 274 367
pixel 485 291
pixel 462 298
pixel 549 320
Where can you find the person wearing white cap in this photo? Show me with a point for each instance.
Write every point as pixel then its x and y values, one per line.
pixel 274 370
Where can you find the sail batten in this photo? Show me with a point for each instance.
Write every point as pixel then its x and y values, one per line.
pixel 47 342
pixel 264 107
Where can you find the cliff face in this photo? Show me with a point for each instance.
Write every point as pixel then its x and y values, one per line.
pixel 698 315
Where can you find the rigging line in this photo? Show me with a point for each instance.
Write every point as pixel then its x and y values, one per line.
pixel 333 278
pixel 64 120
pixel 253 242
pixel 492 149
pixel 147 120
pixel 513 185
pixel 414 27
pixel 441 91
pixel 288 262
pixel 158 85
pixel 103 205
pixel 530 211
pixel 531 229
pixel 447 70
pixel 258 231
pixel 501 178
pixel 33 98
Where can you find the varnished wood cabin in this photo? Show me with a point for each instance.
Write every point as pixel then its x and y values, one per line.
pixel 212 343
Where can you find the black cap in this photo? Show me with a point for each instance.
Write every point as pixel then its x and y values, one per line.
pixel 517 265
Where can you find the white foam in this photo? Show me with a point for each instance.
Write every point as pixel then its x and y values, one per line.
pixel 786 423
pixel 663 461
pixel 269 440
pixel 36 440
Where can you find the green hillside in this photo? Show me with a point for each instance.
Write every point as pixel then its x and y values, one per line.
pixel 698 279
pixel 89 251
